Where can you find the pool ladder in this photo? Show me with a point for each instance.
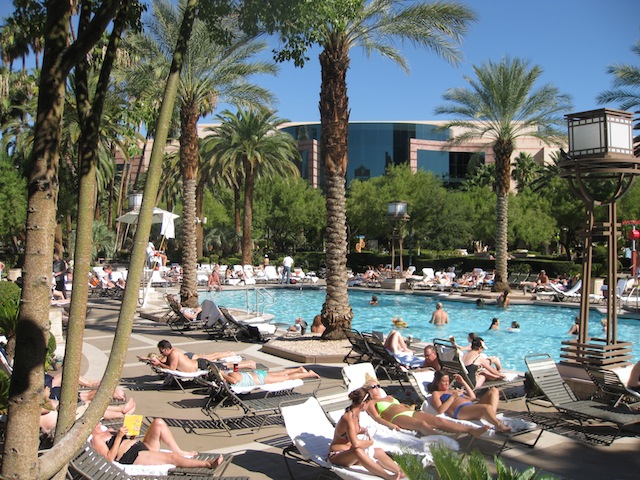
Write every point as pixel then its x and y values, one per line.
pixel 258 299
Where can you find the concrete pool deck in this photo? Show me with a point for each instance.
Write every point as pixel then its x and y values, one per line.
pixel 259 454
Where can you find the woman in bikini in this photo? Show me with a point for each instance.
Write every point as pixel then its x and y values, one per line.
pixel 388 411
pixel 348 448
pixel 262 377
pixel 114 446
pixel 464 405
pixel 480 366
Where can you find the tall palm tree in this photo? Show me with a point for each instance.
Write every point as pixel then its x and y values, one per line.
pixel 525 170
pixel 626 90
pixel 211 73
pixel 501 105
pixel 249 142
pixel 375 26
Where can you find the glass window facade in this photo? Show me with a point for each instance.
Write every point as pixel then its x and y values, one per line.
pixel 374 146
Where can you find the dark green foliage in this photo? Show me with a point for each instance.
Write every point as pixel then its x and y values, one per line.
pixel 5 381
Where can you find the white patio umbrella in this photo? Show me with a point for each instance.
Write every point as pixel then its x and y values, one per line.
pixel 159 216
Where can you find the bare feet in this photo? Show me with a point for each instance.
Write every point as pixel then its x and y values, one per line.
pixel 501 427
pixel 216 462
pixel 313 374
pixel 129 407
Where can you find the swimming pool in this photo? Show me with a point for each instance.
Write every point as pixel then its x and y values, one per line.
pixel 542 328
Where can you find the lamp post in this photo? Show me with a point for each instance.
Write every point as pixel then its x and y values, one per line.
pixel 397 217
pixel 135 200
pixel 600 168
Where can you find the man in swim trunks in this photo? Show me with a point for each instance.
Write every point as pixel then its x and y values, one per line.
pixel 175 359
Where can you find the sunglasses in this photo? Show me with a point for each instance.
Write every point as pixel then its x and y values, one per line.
pixel 374 386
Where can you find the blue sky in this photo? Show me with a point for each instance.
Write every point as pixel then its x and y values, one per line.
pixel 572 40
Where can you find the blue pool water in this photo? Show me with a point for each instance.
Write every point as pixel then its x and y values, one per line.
pixel 542 328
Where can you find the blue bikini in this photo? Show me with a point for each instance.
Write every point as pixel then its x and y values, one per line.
pixel 446 396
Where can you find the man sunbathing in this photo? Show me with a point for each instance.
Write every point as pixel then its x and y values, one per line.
pixel 175 359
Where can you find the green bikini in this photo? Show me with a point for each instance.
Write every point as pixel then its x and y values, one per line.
pixel 383 406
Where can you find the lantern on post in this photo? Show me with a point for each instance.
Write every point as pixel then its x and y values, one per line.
pixel 397 217
pixel 600 168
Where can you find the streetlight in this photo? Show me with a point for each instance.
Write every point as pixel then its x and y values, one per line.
pixel 600 168
pixel 135 200
pixel 397 217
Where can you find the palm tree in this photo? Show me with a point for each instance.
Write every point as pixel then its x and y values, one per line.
pixel 626 90
pixel 211 73
pixel 502 106
pixel 249 142
pixel 375 26
pixel 525 170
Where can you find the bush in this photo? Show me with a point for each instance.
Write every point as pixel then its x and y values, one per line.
pixel 9 292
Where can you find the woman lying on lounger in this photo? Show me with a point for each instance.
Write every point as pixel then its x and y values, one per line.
pixel 114 446
pixel 464 405
pixel 262 377
pixel 388 411
pixel 349 448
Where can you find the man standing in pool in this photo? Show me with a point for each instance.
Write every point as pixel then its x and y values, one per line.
pixel 439 317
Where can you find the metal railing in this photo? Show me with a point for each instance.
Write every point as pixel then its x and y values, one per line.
pixel 258 299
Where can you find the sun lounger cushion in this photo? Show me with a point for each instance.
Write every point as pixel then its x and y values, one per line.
pixel 150 470
pixel 181 375
pixel 355 376
pixel 269 387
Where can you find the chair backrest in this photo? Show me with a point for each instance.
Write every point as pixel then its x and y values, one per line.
pixel 609 384
pixel 575 289
pixel 451 360
pixel 355 376
pixel 428 273
pixel 271 273
pixel 545 374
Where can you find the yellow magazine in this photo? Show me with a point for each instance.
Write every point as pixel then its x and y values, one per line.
pixel 133 424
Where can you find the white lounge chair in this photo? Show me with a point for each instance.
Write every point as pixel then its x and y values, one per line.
pixel 271 274
pixel 556 292
pixel 311 432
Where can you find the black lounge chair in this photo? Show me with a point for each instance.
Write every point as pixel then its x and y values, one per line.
pixel 259 408
pixel 611 388
pixel 178 322
pixel 359 352
pixel 383 359
pixel 243 332
pixel 451 362
pixel 580 414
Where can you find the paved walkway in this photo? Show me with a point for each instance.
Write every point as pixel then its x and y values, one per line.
pixel 258 454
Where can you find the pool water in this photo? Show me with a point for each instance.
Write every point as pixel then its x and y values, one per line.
pixel 542 329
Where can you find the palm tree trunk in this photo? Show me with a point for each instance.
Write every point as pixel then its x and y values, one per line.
pixel 247 242
pixel 334 115
pixel 189 164
pixel 199 211
pixel 503 150
pixel 237 223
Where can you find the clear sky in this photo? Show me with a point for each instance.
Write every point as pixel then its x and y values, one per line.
pixel 572 40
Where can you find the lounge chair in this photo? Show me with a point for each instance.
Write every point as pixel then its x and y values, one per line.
pixel 420 380
pixel 558 294
pixel 359 352
pixel 610 387
pixel 355 376
pixel 240 331
pixel 451 361
pixel 580 414
pixel 179 322
pixel 383 359
pixel 271 274
pixel 311 432
pixel 265 406
pixel 89 464
pixel 392 441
